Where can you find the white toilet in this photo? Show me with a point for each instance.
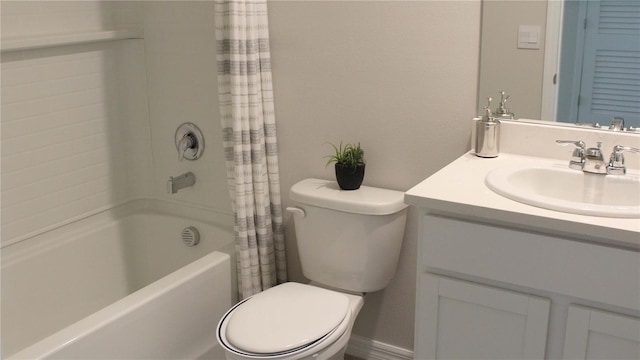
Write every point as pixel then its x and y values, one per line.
pixel 349 243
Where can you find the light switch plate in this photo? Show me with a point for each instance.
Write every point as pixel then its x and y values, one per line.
pixel 529 37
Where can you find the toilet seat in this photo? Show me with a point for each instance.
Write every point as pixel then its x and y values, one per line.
pixel 288 320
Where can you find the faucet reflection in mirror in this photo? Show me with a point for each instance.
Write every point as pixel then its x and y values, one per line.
pixel 502 112
pixel 617 124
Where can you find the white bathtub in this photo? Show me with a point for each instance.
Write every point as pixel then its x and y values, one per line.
pixel 119 285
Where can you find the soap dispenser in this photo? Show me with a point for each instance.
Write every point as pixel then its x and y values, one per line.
pixel 488 134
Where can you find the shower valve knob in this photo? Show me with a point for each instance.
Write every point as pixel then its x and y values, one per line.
pixel 189 142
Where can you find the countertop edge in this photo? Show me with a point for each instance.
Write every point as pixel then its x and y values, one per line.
pixel 467 197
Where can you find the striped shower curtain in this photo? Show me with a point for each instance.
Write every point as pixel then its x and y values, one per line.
pixel 249 130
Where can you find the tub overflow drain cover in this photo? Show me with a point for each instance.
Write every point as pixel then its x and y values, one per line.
pixel 190 236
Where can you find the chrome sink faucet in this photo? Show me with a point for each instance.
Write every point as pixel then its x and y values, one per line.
pixel 616 161
pixel 577 157
pixel 592 161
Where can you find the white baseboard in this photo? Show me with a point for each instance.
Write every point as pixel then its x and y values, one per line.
pixel 369 349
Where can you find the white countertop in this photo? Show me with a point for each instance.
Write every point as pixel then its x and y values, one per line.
pixel 459 190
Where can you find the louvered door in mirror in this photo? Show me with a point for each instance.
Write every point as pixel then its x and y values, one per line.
pixel 610 81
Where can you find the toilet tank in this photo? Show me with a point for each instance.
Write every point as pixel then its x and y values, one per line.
pixel 348 239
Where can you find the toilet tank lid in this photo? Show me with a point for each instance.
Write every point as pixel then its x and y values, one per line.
pixel 366 200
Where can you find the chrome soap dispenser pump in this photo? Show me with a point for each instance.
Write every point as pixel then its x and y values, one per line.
pixel 488 134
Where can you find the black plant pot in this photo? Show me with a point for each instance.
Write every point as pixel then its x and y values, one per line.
pixel 349 177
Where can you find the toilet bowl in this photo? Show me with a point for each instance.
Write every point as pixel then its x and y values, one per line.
pixel 296 321
pixel 349 243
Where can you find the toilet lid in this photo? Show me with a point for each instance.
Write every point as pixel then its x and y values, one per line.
pixel 285 317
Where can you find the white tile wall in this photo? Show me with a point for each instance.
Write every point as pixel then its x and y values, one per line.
pixel 75 130
pixel 85 114
pixel 34 18
pixel 182 84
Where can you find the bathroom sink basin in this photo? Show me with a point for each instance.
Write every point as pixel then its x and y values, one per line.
pixel 568 190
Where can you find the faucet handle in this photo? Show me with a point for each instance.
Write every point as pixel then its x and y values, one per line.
pixel 578 143
pixel 188 141
pixel 621 148
pixel 577 157
pixel 616 161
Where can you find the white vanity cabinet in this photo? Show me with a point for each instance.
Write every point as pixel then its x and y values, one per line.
pixel 595 334
pixel 487 291
pixel 503 279
pixel 462 320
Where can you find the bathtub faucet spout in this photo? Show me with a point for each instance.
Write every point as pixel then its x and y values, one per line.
pixel 179 182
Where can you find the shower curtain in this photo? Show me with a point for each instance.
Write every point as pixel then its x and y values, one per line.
pixel 249 131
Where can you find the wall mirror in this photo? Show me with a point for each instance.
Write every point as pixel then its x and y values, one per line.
pixel 572 61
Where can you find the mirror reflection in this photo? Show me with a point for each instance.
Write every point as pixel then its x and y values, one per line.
pixel 575 61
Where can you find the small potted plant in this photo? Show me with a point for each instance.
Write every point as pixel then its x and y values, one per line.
pixel 349 165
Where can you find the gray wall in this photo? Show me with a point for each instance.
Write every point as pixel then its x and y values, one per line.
pixel 401 78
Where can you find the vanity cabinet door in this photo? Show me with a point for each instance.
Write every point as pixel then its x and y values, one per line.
pixel 596 334
pixel 462 320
